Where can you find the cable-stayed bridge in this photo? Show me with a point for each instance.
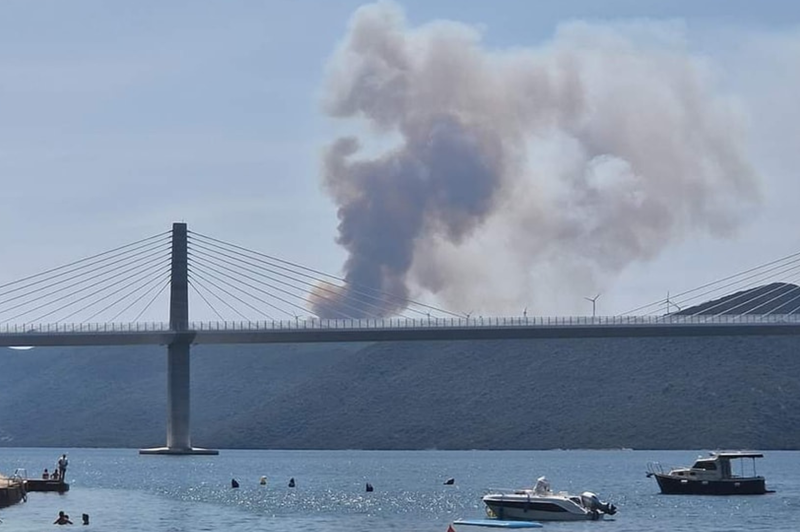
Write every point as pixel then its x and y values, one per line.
pixel 252 297
pixel 257 298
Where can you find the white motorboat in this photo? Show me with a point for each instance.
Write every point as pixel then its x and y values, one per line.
pixel 542 504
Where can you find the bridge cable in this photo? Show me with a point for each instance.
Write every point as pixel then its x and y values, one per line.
pixel 52 270
pixel 676 297
pixel 138 278
pixel 746 290
pixel 207 302
pixel 154 281
pixel 302 297
pixel 196 280
pixel 233 279
pixel 78 300
pixel 98 280
pixel 166 284
pixel 305 288
pixel 317 287
pixel 748 297
pixel 165 277
pixel 245 318
pixel 214 274
pixel 359 289
pixel 352 288
pixel 87 271
pixel 781 294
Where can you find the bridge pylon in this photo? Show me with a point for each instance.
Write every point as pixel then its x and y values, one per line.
pixel 179 441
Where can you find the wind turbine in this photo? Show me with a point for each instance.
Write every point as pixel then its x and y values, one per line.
pixel 594 303
pixel 672 303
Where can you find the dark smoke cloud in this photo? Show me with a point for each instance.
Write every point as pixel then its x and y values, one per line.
pixel 580 157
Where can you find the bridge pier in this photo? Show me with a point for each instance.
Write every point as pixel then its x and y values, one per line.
pixel 179 440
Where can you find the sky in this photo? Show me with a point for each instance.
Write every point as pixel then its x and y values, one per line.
pixel 669 161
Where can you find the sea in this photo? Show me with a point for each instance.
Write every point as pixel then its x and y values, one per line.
pixel 121 490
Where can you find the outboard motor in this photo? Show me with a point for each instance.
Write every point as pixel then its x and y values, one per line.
pixel 608 508
pixel 592 503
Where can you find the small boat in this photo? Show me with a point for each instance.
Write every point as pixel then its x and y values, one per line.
pixel 482 525
pixel 721 473
pixel 542 504
pixel 12 491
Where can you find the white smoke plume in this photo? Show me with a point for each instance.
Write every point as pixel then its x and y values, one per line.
pixel 516 173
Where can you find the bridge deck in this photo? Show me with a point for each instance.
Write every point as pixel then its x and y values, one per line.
pixel 397 330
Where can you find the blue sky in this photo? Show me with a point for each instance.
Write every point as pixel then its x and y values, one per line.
pixel 117 119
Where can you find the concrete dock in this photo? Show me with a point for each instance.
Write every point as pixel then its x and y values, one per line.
pixel 34 484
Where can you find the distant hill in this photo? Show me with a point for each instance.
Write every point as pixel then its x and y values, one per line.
pixel 773 298
pixel 665 393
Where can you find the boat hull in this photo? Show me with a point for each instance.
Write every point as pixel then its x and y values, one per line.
pixel 674 485
pixel 11 493
pixel 532 510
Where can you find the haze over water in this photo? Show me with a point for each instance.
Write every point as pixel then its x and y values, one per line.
pixel 123 491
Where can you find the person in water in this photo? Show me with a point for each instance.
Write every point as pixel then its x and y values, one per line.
pixel 63 519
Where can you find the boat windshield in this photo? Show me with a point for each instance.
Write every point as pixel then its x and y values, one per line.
pixel 708 465
pixel 742 469
pixel 729 466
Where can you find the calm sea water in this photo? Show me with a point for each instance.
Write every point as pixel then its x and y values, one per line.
pixel 123 491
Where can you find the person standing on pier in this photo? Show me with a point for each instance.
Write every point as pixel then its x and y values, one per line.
pixel 62 467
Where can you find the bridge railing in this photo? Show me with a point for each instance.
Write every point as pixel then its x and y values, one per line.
pixel 401 323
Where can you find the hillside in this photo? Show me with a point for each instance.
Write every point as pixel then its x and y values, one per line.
pixel 590 393
pixel 773 298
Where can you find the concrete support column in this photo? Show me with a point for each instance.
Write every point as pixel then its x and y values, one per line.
pixel 179 280
pixel 178 398
pixel 179 440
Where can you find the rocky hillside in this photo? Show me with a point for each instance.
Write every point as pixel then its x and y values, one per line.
pixel 773 298
pixel 665 393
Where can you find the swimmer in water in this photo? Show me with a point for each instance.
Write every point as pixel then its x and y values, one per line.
pixel 63 519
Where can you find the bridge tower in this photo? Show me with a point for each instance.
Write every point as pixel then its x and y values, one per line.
pixel 179 439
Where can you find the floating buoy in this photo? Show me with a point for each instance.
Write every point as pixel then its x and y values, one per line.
pixel 263 481
pixel 291 482
pixel 449 482
pixel 234 483
pixel 369 486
